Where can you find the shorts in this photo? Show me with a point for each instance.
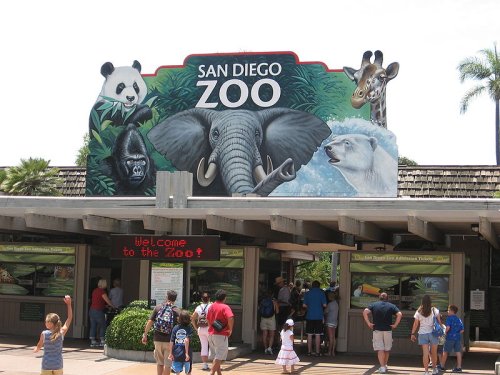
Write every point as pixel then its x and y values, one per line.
pixel 161 353
pixel 218 346
pixel 427 339
pixel 314 327
pixel 453 346
pixel 268 324
pixel 382 340
pixel 178 366
pixel 52 372
pixel 331 325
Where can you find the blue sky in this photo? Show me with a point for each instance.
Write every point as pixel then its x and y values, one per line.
pixel 52 52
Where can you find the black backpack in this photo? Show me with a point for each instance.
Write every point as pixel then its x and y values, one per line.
pixel 266 308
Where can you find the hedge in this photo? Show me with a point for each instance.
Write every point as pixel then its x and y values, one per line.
pixel 126 329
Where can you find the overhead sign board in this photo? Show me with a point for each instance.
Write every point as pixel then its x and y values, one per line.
pixel 260 123
pixel 160 247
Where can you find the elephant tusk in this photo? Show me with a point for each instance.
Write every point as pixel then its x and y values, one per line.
pixel 205 179
pixel 270 167
pixel 259 173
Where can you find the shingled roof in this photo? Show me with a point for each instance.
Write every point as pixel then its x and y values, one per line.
pixel 413 181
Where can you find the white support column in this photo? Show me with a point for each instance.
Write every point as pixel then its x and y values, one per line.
pixel 345 292
pixel 250 294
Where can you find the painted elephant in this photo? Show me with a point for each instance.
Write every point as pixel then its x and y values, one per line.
pixel 235 142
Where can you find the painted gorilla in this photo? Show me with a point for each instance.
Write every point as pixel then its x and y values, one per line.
pixel 235 143
pixel 129 164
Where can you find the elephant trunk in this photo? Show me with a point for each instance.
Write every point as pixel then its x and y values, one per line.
pixel 284 173
pixel 236 165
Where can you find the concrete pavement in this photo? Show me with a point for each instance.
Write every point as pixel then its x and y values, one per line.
pixel 17 358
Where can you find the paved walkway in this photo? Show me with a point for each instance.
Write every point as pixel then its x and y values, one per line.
pixel 17 358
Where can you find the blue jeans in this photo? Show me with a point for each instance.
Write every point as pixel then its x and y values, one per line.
pixel 97 323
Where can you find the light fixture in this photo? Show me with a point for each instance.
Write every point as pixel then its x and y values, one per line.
pixel 474 228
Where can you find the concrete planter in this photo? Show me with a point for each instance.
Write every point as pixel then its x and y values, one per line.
pixel 146 356
pixel 137 355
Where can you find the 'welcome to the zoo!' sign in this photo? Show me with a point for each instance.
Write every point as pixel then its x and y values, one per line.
pixel 245 123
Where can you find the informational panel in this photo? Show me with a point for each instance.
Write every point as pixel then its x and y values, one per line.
pixel 164 277
pixel 477 298
pixel 174 248
pixel 29 311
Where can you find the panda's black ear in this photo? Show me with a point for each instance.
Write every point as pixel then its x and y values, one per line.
pixel 137 65
pixel 106 69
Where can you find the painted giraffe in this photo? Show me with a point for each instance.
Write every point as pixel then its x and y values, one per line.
pixel 371 80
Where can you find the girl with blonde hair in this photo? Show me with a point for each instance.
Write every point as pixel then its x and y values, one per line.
pixel 51 340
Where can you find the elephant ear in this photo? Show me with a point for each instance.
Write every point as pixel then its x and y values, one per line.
pixel 292 134
pixel 183 138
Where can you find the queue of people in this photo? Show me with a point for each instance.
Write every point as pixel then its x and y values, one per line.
pixel 214 322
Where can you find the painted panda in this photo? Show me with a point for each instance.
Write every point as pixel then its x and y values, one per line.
pixel 119 105
pixel 121 96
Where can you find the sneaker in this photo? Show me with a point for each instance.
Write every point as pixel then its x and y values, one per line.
pixel 93 344
pixel 382 370
pixel 205 367
pixel 427 373
pixel 435 371
pixel 440 368
pixel 457 369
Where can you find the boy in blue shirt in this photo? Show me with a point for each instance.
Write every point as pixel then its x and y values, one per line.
pixel 181 352
pixel 454 331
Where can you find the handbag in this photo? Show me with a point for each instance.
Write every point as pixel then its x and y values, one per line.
pixel 437 330
pixel 218 325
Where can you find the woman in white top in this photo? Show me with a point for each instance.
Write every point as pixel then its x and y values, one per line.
pixel 424 321
pixel 200 323
pixel 331 320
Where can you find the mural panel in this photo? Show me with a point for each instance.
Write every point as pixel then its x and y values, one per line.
pixel 262 124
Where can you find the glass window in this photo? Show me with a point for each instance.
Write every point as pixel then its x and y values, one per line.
pixel 42 270
pixel 405 291
pixel 225 274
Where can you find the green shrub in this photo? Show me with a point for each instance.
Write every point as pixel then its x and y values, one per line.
pixel 126 329
pixel 138 304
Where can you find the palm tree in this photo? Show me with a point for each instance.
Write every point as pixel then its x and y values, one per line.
pixel 487 71
pixel 32 177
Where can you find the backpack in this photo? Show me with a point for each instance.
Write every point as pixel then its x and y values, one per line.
pixel 266 308
pixel 164 321
pixel 202 317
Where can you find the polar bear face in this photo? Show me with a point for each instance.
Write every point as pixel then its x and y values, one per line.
pixel 352 152
pixel 124 83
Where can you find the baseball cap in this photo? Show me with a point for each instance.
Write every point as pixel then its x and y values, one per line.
pixel 289 322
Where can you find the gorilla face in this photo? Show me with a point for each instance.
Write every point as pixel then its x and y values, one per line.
pixel 130 164
pixel 124 83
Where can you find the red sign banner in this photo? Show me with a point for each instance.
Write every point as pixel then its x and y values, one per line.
pixel 172 248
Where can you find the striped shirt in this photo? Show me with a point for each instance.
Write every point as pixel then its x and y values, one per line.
pixel 52 352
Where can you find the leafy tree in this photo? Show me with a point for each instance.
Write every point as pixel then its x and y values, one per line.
pixel 32 177
pixel 83 152
pixel 403 160
pixel 486 70
pixel 320 269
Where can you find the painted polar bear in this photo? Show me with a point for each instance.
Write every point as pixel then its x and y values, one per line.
pixel 364 164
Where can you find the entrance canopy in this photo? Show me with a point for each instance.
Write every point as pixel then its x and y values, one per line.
pixel 286 223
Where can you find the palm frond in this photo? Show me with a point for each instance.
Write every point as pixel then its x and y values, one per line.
pixel 469 95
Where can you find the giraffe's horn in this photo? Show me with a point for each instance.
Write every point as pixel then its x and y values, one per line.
pixel 366 58
pixel 378 58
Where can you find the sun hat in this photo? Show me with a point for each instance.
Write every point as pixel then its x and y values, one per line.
pixel 289 322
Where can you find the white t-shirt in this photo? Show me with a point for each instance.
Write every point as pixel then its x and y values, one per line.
pixel 426 323
pixel 286 340
pixel 332 312
pixel 199 310
pixel 116 296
